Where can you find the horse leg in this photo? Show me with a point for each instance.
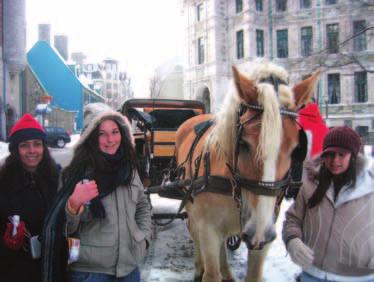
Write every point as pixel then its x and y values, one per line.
pixel 210 252
pixel 256 259
pixel 197 253
pixel 198 263
pixel 225 268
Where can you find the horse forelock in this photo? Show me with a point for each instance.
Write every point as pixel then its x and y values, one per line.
pixel 261 71
pixel 271 124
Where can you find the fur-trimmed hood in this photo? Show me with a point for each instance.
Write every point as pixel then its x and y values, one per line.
pixel 94 114
pixel 312 166
pixel 364 180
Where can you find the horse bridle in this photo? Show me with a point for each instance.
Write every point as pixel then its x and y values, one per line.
pixel 268 188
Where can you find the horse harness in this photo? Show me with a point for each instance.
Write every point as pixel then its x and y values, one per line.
pixel 232 186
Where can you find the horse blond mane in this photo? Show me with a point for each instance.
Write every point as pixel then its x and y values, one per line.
pixel 223 136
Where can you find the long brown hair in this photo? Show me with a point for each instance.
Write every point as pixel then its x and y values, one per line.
pixel 325 177
pixel 47 169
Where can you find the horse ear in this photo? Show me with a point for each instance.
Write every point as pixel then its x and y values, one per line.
pixel 303 91
pixel 246 88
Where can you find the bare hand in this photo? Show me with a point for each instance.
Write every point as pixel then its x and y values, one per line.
pixel 83 192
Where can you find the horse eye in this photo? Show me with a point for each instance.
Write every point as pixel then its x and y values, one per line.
pixel 243 145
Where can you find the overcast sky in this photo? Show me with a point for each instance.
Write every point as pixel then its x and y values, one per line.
pixel 141 34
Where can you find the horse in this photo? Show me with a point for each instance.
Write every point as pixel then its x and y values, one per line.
pixel 247 149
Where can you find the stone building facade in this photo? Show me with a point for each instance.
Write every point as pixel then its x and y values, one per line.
pixel 334 36
pixel 12 61
pixel 167 81
pixel 106 79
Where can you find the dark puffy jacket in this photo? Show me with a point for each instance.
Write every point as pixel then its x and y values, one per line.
pixel 27 195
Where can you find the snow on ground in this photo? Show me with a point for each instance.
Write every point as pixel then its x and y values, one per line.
pixel 170 257
pixel 74 139
pixel 3 149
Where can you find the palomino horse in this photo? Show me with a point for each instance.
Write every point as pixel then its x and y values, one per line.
pixel 250 144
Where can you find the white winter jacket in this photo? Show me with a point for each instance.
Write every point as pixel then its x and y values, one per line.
pixel 340 232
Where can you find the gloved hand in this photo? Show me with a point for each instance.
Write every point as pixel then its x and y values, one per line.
pixel 83 192
pixel 15 242
pixel 300 253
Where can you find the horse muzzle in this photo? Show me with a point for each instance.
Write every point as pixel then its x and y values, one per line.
pixel 268 238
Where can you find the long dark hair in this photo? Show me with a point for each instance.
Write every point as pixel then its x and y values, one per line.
pixel 89 156
pixel 325 177
pixel 47 170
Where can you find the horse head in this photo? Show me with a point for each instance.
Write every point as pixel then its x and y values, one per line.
pixel 258 148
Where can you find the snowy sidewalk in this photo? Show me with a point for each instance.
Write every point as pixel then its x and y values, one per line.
pixel 170 256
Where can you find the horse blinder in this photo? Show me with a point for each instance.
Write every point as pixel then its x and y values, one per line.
pixel 301 151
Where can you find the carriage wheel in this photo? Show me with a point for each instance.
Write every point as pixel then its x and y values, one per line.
pixel 233 242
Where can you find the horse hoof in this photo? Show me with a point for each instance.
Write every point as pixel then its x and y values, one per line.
pixel 198 279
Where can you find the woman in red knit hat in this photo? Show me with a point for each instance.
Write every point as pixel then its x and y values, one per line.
pixel 328 230
pixel 28 184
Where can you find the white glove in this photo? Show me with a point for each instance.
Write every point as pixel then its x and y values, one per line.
pixel 300 253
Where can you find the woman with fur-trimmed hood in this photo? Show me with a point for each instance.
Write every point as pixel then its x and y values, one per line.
pixel 103 203
pixel 329 229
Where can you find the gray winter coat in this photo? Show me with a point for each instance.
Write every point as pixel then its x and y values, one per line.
pixel 340 232
pixel 116 244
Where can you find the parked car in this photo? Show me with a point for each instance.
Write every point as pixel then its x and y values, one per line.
pixel 57 136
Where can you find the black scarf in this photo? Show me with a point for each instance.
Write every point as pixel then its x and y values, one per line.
pixel 111 173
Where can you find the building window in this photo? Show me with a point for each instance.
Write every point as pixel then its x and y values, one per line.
pixel 259 7
pixel 200 51
pixel 333 38
pixel 348 122
pixel 363 132
pixel 199 11
pixel 239 6
pixel 359 42
pixel 333 88
pixel 239 44
pixel 330 2
pixel 281 5
pixel 260 42
pixel 304 4
pixel 361 87
pixel 306 41
pixel 282 43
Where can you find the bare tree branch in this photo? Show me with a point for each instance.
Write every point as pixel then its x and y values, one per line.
pixel 155 86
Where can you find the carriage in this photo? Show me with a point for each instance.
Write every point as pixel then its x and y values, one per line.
pixel 154 124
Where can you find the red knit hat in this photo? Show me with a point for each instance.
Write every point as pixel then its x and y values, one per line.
pixel 26 128
pixel 342 139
